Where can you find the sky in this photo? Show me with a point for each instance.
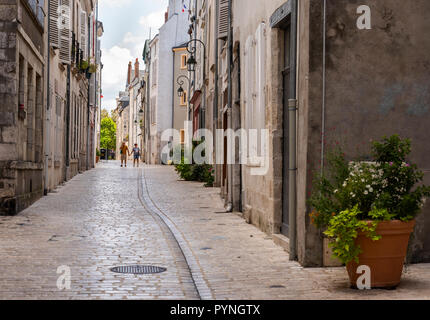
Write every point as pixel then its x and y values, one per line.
pixel 127 24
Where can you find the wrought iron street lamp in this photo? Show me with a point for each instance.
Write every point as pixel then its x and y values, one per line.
pixel 181 82
pixel 192 49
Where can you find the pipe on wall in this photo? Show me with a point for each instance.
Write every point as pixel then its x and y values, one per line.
pixel 230 101
pixel 324 86
pixel 292 109
pixel 48 110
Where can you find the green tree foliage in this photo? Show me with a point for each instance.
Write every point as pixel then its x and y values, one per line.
pixel 108 134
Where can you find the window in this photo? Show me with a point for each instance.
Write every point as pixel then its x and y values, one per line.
pixel 154 73
pixel 37 8
pixel 184 99
pixel 184 61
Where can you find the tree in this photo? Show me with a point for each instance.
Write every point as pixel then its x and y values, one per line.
pixel 108 134
pixel 104 114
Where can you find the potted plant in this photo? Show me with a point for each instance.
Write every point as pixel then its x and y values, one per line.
pixel 92 68
pixel 368 209
pixel 83 66
pixel 98 154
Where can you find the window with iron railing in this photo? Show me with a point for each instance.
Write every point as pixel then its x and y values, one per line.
pixel 37 8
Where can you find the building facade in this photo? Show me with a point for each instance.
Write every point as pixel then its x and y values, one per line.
pixel 159 60
pixel 304 72
pixel 48 102
pixel 23 72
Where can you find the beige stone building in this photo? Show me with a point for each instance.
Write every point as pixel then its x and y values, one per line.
pixel 48 100
pixel 22 71
pixel 277 55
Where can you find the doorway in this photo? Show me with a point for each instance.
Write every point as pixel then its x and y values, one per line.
pixel 286 73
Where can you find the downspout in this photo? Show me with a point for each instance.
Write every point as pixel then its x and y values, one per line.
pixel 89 94
pixel 324 87
pixel 292 109
pixel 216 89
pixel 96 100
pixel 173 89
pixel 48 103
pixel 148 100
pixel 230 109
pixel 68 123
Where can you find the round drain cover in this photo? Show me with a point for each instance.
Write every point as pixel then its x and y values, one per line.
pixel 138 269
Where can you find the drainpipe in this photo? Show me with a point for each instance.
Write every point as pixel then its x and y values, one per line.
pixel 230 101
pixel 147 116
pixel 48 110
pixel 292 109
pixel 173 89
pixel 216 89
pixel 68 123
pixel 89 95
pixel 96 100
pixel 324 87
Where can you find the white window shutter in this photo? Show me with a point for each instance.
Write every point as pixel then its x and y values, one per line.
pixel 222 19
pixel 260 77
pixel 91 35
pixel 64 34
pixel 248 81
pixel 84 34
pixel 53 24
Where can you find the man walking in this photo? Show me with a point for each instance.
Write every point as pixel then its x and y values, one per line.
pixel 124 153
pixel 136 155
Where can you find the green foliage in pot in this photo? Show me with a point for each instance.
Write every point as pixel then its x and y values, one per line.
pixel 98 154
pixel 92 68
pixel 195 172
pixel 353 193
pixel 83 65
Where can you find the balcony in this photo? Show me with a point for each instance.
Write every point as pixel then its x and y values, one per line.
pixel 37 9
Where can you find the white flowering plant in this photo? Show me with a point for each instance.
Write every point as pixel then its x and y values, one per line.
pixel 356 196
pixel 387 182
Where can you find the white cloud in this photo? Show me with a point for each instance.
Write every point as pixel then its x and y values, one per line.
pixel 115 64
pixel 115 3
pixel 154 20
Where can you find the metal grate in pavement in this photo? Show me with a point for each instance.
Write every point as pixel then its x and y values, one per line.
pixel 138 269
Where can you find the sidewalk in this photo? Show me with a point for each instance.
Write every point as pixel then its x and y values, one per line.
pixel 241 262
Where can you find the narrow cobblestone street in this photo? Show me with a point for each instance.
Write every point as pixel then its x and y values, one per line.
pixel 113 216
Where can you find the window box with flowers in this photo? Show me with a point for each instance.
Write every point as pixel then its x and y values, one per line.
pixel 368 209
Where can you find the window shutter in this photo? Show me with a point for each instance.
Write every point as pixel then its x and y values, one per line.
pixel 247 78
pixel 260 77
pixel 222 19
pixel 65 38
pixel 84 34
pixel 53 24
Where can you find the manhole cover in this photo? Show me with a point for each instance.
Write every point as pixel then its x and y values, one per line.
pixel 138 269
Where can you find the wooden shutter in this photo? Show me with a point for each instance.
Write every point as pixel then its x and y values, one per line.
pixel 84 34
pixel 222 19
pixel 53 24
pixel 65 32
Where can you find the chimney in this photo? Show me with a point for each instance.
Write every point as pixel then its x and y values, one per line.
pixel 129 73
pixel 166 16
pixel 136 69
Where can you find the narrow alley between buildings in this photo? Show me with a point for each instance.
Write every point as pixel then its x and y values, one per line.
pixel 111 216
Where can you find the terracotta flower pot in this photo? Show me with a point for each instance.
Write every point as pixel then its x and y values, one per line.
pixel 384 257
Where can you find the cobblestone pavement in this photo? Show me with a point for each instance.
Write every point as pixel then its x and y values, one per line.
pixel 98 221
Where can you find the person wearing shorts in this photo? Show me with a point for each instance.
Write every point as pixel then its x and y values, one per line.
pixel 136 155
pixel 124 153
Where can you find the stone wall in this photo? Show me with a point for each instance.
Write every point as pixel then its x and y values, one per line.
pixel 377 83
